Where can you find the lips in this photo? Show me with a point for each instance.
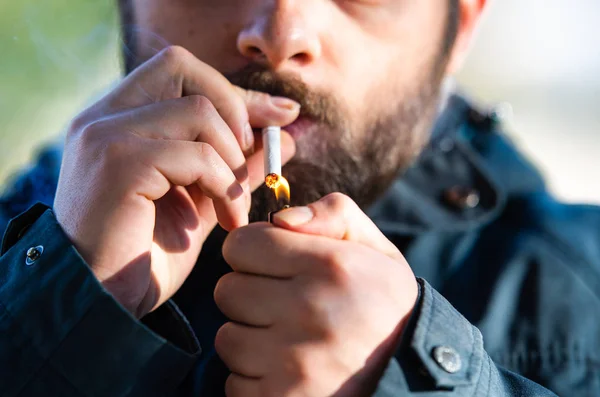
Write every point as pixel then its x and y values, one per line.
pixel 301 126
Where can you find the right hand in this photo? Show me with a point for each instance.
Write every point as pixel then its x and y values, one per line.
pixel 150 169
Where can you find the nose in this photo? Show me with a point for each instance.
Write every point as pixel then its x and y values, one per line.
pixel 281 37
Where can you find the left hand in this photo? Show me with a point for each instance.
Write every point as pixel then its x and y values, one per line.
pixel 318 303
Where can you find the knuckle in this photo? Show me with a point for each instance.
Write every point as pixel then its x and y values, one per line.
pixel 225 286
pixel 232 245
pixel 316 309
pixel 199 105
pixel 307 310
pixel 207 151
pixel 304 371
pixel 215 170
pixel 223 339
pixel 270 391
pixel 113 152
pixel 258 96
pixel 78 124
pixel 93 129
pixel 231 387
pixel 173 54
pixel 313 316
pixel 227 249
pixel 335 266
pixel 298 366
pixel 339 203
pixel 94 137
pixel 117 149
pixel 207 154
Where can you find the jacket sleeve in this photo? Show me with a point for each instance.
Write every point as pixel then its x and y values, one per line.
pixel 442 354
pixel 62 334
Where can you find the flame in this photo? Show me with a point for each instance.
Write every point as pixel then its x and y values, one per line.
pixel 280 187
pixel 282 191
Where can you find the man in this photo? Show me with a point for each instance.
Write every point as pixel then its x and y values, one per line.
pixel 128 287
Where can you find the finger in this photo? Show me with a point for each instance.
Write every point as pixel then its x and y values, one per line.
pixel 265 250
pixel 192 118
pixel 255 166
pixel 244 349
pixel 175 73
pixel 184 163
pixel 338 217
pixel 248 299
pixel 265 110
pixel 242 386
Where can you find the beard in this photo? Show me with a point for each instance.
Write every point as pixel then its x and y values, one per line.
pixel 361 159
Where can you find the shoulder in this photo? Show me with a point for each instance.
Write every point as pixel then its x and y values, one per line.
pixel 36 183
pixel 569 232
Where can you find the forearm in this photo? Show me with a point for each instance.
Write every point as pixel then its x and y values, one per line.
pixel 63 334
pixel 442 354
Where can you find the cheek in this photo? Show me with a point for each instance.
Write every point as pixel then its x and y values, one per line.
pixel 206 29
pixel 387 55
pixel 372 81
pixel 364 84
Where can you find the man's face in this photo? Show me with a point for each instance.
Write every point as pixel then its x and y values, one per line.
pixel 366 72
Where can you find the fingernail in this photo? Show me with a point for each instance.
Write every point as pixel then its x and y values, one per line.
pixel 295 216
pixel 248 140
pixel 285 103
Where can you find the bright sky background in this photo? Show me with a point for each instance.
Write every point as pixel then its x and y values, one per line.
pixel 543 58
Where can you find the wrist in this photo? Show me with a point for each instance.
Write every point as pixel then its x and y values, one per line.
pixel 135 296
pixel 380 359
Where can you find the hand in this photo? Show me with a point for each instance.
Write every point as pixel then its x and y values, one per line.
pixel 318 303
pixel 150 169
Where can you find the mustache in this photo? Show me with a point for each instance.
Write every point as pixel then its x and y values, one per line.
pixel 315 105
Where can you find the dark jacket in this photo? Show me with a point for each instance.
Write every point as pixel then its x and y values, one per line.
pixel 510 301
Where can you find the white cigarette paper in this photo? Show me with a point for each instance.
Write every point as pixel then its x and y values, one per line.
pixel 272 145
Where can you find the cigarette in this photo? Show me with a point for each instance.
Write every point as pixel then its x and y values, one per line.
pixel 272 145
pixel 273 179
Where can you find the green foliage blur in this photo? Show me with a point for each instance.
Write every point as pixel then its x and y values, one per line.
pixel 55 56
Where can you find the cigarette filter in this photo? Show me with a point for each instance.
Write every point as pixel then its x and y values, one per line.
pixel 272 145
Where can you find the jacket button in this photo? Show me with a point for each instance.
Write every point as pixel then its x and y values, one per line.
pixel 447 358
pixel 33 254
pixel 462 198
pixel 446 145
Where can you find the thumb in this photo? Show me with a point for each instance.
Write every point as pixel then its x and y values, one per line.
pixel 265 110
pixel 337 216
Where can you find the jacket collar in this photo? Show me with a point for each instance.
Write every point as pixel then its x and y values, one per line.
pixel 449 187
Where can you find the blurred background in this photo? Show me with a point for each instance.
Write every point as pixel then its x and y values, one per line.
pixel 539 60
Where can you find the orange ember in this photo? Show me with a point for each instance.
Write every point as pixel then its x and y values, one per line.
pixel 273 181
pixel 280 187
